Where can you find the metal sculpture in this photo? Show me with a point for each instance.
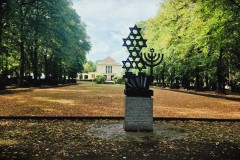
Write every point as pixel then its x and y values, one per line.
pixel 138 85
pixel 152 60
pixel 134 43
pixel 138 101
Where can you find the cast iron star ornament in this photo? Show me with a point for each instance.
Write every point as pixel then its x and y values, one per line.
pixel 134 43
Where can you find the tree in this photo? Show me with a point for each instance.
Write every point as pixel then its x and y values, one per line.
pixel 198 39
pixel 42 36
pixel 89 66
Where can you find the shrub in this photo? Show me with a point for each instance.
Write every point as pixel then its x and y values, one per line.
pixel 175 86
pixel 100 79
pixel 72 81
pixel 118 80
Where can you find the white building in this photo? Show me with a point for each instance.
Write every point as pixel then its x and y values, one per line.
pixel 107 67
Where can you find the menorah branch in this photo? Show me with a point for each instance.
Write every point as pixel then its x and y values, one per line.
pixel 152 60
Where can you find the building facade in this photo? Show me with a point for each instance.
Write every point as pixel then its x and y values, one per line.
pixel 107 67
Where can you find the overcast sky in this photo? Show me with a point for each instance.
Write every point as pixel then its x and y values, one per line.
pixel 108 21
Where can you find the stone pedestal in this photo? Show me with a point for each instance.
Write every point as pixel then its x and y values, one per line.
pixel 138 114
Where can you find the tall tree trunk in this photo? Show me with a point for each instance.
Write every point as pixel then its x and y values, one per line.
pixel 163 75
pixel 197 82
pixel 172 77
pixel 177 83
pixel 54 74
pixel 36 46
pixel 35 59
pixel 1 26
pixel 1 33
pixel 207 80
pixel 22 53
pixel 185 82
pixel 220 87
pixel 65 77
pixel 46 68
pixel 60 72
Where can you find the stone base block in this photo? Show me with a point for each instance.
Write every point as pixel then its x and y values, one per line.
pixel 138 114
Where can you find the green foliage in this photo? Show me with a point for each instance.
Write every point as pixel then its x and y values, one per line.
pixel 200 40
pixel 100 79
pixel 118 80
pixel 42 37
pixel 89 66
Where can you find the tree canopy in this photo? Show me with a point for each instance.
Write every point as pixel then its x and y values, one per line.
pixel 89 66
pixel 200 40
pixel 41 37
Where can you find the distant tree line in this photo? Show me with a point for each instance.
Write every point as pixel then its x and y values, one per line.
pixel 89 66
pixel 40 37
pixel 200 41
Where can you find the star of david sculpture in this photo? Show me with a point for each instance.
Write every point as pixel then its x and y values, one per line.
pixel 138 85
pixel 138 101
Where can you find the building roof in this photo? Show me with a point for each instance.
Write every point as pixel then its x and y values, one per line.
pixel 108 61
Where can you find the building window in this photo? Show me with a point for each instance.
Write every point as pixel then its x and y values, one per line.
pixel 108 69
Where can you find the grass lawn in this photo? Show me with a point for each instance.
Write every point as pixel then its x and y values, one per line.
pixel 64 139
pixel 90 99
pixel 71 140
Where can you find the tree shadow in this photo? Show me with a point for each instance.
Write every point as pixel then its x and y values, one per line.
pixel 15 90
pixel 57 86
pixel 207 95
pixel 4 92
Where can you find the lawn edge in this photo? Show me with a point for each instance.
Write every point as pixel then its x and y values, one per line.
pixel 83 118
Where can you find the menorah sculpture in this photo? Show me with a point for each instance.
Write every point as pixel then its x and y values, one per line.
pixel 152 60
pixel 138 101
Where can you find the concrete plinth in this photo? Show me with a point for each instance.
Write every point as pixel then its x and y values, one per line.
pixel 138 114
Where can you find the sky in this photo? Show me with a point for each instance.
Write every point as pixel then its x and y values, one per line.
pixel 108 22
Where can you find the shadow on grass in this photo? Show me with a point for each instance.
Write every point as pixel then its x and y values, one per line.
pixel 134 151
pixel 58 86
pixel 15 90
pixel 206 95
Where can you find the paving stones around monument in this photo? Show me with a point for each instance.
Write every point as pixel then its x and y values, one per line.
pixel 115 132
